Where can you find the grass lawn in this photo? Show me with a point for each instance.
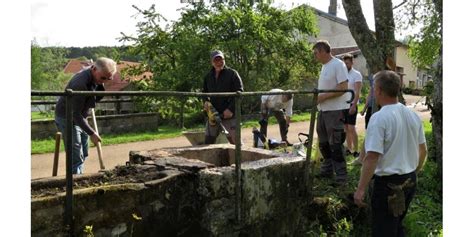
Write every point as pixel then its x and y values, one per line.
pixel 40 115
pixel 47 145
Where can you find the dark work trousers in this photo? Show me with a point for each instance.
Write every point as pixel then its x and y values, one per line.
pixel 384 224
pixel 280 116
pixel 331 136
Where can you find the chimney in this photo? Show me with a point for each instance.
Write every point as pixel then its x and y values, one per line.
pixel 333 7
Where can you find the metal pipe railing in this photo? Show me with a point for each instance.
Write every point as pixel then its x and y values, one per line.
pixel 69 220
pixel 180 93
pixel 53 102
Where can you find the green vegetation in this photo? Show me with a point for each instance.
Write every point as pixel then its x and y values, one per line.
pixel 42 115
pixel 47 63
pixel 424 217
pixel 266 45
pixel 47 145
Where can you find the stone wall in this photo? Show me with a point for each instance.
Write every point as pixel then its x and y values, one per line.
pixel 165 206
pixel 110 124
pixel 184 196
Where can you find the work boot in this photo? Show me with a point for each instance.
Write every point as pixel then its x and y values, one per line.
pixel 287 142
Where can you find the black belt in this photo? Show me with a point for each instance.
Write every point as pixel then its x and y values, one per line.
pixel 394 176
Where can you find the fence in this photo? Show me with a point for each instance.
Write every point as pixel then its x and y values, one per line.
pixel 69 221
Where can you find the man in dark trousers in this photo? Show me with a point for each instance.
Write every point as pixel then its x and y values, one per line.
pixel 221 79
pixel 331 105
pixel 280 106
pixel 395 148
pixel 89 79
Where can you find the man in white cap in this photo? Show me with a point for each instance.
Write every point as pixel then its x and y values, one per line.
pixel 221 79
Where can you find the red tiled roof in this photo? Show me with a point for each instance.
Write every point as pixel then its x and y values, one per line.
pixel 75 65
pixel 117 83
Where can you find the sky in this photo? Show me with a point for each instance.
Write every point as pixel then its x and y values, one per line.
pixel 99 23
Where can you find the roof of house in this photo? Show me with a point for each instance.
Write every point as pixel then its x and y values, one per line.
pixel 331 17
pixel 340 51
pixel 117 83
pixel 76 65
pixel 344 22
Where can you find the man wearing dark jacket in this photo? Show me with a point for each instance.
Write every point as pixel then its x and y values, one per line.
pixel 89 79
pixel 221 79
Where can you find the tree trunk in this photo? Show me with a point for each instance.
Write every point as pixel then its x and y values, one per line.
pixel 379 48
pixel 374 47
pixel 437 111
pixel 437 115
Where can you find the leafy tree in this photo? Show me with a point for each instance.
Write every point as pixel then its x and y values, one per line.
pixel 267 46
pixel 426 51
pixel 36 69
pixel 426 46
pixel 377 47
pixel 116 53
pixel 46 65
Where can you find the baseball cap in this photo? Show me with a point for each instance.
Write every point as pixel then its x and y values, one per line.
pixel 217 53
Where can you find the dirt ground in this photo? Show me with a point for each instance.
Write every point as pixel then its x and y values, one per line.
pixel 41 165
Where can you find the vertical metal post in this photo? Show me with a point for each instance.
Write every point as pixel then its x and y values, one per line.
pixel 238 155
pixel 310 141
pixel 181 112
pixel 69 221
pixel 117 105
pixel 56 153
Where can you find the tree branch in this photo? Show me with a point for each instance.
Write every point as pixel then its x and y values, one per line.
pixel 399 5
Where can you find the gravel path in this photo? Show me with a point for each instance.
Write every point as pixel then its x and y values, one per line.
pixel 41 165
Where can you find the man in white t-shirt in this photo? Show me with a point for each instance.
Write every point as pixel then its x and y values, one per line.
pixel 331 105
pixel 281 106
pixel 395 148
pixel 355 84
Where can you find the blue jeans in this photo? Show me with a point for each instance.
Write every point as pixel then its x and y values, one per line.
pixel 80 141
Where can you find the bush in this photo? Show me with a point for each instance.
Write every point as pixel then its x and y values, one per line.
pixel 424 217
pixel 407 90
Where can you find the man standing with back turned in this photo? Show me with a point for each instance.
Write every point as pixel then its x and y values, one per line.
pixel 395 147
pixel 89 79
pixel 330 122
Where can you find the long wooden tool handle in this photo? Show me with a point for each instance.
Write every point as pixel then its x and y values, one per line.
pixel 56 153
pixel 99 152
pixel 99 146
